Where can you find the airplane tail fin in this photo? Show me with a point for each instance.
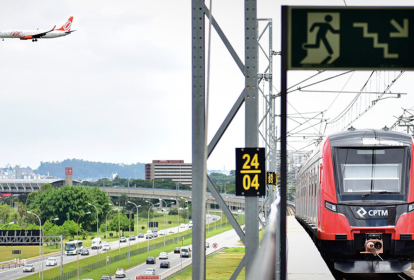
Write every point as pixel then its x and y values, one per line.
pixel 67 25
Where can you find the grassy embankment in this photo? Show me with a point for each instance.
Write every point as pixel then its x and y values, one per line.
pixel 134 260
pixel 220 266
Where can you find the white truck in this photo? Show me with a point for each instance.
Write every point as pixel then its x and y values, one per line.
pixel 97 243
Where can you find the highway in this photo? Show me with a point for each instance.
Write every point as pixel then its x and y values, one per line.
pixel 16 273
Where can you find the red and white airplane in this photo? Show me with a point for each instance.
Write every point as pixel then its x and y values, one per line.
pixel 39 34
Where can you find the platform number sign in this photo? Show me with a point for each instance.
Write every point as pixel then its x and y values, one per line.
pixel 271 179
pixel 250 171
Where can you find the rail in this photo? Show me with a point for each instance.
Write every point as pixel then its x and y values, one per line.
pixel 264 266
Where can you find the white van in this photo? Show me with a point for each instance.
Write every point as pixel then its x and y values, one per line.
pixel 97 243
pixel 190 224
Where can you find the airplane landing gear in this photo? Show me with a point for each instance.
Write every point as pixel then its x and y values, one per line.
pixel 34 40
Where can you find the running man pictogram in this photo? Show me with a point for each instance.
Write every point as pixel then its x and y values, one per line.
pixel 322 45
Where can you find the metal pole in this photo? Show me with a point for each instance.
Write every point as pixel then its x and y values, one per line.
pixel 129 237
pixel 61 255
pixel 97 226
pixel 119 228
pixel 251 125
pixel 137 206
pixel 40 240
pixel 199 141
pixel 77 238
pixel 149 210
pixel 283 150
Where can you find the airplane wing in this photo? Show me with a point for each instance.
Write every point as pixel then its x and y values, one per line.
pixel 68 32
pixel 41 34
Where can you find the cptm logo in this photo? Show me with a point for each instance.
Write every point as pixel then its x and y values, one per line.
pixel 372 213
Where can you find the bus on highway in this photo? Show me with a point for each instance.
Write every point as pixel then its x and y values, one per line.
pixel 73 247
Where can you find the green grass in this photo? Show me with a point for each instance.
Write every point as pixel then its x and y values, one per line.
pixel 135 260
pixel 33 251
pixel 219 266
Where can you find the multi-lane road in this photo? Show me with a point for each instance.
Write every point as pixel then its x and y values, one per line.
pixel 222 240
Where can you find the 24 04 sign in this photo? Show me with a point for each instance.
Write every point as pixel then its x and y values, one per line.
pixel 250 171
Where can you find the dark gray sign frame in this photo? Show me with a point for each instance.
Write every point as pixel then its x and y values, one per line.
pixel 358 38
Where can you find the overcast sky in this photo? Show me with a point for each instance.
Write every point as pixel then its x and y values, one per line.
pixel 119 88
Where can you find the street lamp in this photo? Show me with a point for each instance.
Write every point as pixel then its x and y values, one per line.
pixel 106 235
pixel 149 211
pixel 77 235
pixel 97 232
pixel 137 206
pixel 178 218
pixel 106 223
pixel 40 240
pixel 11 223
pixel 165 218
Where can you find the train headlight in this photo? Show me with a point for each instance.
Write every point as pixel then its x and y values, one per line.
pixel 410 207
pixel 332 207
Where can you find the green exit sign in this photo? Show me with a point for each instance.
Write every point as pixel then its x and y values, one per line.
pixel 350 38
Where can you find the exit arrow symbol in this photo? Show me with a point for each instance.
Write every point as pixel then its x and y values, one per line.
pixel 402 31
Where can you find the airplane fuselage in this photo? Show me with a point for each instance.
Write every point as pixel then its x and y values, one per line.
pixel 25 35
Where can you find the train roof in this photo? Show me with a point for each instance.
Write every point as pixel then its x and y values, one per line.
pixel 369 138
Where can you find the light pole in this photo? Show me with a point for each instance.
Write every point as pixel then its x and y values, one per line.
pixel 149 211
pixel 77 236
pixel 137 206
pixel 178 218
pixel 54 219
pixel 165 218
pixel 97 232
pixel 11 223
pixel 106 223
pixel 40 240
pixel 119 228
pixel 106 235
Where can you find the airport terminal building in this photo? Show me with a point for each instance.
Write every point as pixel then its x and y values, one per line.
pixel 176 170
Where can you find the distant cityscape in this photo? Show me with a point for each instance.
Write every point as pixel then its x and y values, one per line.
pixel 26 173
pixel 18 172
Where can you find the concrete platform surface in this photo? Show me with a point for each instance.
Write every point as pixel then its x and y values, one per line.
pixel 304 259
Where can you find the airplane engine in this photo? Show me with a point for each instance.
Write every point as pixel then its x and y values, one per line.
pixel 26 37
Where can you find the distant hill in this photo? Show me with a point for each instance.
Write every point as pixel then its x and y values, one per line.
pixel 83 169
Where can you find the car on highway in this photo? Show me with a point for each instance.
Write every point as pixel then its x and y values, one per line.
pixel 170 231
pixel 207 245
pixel 122 239
pixel 151 260
pixel 155 234
pixel 141 235
pixel 163 255
pixel 182 226
pixel 239 211
pixel 51 262
pixel 106 247
pixel 84 252
pixel 132 237
pixel 155 230
pixel 120 273
pixel 149 271
pixel 165 264
pixel 149 236
pixel 28 268
pixel 106 277
pixel 161 232
pixel 177 250
pixel 185 252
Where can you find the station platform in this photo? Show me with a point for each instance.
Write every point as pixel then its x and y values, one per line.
pixel 304 259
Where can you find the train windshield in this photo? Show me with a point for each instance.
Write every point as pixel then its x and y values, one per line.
pixel 374 171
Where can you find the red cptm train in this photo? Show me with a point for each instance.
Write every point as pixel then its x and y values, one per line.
pixel 355 198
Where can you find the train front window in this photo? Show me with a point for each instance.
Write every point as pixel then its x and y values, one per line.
pixel 371 171
pixel 371 177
